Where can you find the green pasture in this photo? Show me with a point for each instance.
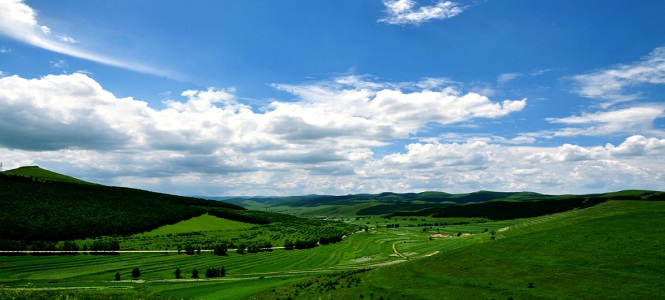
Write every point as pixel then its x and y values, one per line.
pixel 198 224
pixel 246 273
pixel 615 250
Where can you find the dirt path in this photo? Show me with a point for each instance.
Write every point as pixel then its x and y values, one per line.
pixel 399 254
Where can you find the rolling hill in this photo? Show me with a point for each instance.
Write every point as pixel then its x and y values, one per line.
pixel 613 250
pixel 39 205
pixel 42 174
pixel 486 204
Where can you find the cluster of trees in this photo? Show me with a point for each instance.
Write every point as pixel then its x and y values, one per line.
pixel 104 245
pixel 300 244
pixel 136 274
pixel 396 225
pixel 190 249
pixel 210 273
pixel 215 272
pixel 35 210
pixel 330 239
pixel 254 247
pixel 220 249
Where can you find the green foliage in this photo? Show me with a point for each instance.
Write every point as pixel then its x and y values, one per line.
pixel 220 249
pixel 56 211
pixel 215 272
pixel 503 210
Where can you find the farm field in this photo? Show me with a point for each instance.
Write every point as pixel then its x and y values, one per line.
pixel 245 272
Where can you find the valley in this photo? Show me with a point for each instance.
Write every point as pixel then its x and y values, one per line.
pixel 613 245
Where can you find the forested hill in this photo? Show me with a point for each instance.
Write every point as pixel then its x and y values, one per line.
pixel 38 173
pixel 34 208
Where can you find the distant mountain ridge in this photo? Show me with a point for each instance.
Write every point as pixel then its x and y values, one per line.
pixel 490 204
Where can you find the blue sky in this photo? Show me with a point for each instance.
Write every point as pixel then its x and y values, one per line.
pixel 336 97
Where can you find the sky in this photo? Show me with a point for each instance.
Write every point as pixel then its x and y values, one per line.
pixel 231 98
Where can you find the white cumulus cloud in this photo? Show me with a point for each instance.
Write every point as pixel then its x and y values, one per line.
pixel 405 12
pixel 208 143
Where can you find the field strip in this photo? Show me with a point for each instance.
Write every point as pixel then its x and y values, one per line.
pixel 111 252
pixel 122 287
pixel 433 253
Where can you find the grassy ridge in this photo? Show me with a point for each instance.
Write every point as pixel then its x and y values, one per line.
pixel 42 174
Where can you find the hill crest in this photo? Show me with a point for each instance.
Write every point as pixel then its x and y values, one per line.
pixel 43 174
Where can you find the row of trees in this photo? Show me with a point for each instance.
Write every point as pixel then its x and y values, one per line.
pixel 210 273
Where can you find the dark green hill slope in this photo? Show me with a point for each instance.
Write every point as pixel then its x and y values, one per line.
pixel 35 210
pixel 42 174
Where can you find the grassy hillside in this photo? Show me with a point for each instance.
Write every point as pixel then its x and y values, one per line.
pixel 613 250
pixel 42 174
pixel 35 210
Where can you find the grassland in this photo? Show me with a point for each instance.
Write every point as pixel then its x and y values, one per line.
pixel 246 273
pixel 614 250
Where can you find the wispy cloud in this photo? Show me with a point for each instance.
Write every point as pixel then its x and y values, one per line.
pixel 402 12
pixel 66 39
pixel 18 21
pixel 613 84
pixel 507 77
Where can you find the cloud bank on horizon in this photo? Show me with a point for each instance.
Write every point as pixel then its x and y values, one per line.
pixel 279 131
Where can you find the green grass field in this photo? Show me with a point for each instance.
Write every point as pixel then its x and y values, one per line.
pixel 613 250
pixel 199 224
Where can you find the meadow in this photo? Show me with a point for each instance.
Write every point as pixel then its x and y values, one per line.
pixel 613 250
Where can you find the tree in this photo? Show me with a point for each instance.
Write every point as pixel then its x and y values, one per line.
pixel 136 273
pixel 220 249
pixel 195 273
pixel 241 248
pixel 117 276
pixel 115 246
pixel 179 249
pixel 288 245
pixel 177 273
